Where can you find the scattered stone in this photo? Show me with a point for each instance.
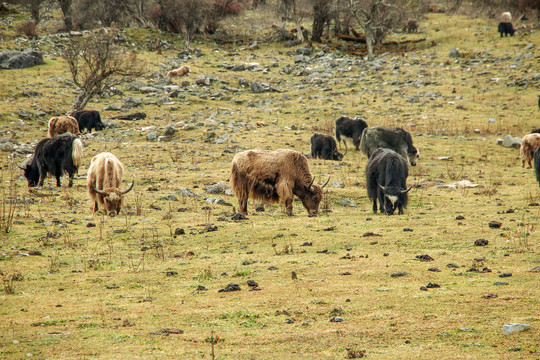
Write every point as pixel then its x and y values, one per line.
pixel 423 288
pixel 239 216
pixel 460 217
pixel 511 328
pixel 510 141
pixel 407 229
pixel 151 136
pixel 370 234
pixel 113 286
pixel 424 257
pixel 167 331
pixel 272 268
pixel 399 274
pixel 452 266
pixel 179 231
pixel 490 296
pixel 535 269
pixel 454 53
pixel 171 273
pixel 336 319
pixel 252 283
pixel 481 242
pixel 337 184
pixel 434 269
pixel 346 202
pixel 230 287
pixel 500 283
pixel 504 275
pixel 433 286
pixel 218 188
pixel 494 224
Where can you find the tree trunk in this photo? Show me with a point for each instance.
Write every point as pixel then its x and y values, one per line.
pixel 369 43
pixel 299 32
pixel 80 102
pixel 320 17
pixel 65 6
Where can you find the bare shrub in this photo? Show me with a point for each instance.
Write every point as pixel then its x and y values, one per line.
pixel 97 64
pixel 27 28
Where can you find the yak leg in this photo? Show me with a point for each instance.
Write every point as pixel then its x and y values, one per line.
pixel 285 193
pixel 375 205
pixel 95 206
pixel 380 195
pixel 242 203
pixel 400 209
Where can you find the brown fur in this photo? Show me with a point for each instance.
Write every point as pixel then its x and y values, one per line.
pixel 179 72
pixel 62 124
pixel 411 25
pixel 274 176
pixel 529 143
pixel 506 17
pixel 105 174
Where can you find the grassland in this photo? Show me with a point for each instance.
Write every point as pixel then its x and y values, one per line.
pixel 103 292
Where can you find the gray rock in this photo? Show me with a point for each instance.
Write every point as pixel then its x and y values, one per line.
pixel 511 328
pixel 218 188
pixel 511 141
pixel 170 130
pixel 24 114
pixel 218 202
pixel 164 100
pixel 301 59
pixel 185 192
pixel 148 89
pixel 243 82
pixel 152 136
pixel 222 139
pixel 454 53
pixel 10 59
pixel 131 101
pixel 171 197
pixel 346 202
pixel 203 80
pixel 337 184
pixel 135 86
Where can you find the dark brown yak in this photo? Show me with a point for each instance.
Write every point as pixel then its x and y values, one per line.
pixel 104 179
pixel 274 176
pixel 63 124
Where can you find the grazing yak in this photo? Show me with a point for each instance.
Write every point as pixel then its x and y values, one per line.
pixel 179 72
pixel 505 26
pixel 324 146
pixel 529 144
pixel 104 179
pixel 386 181
pixel 351 128
pixel 89 119
pixel 411 25
pixel 54 156
pixel 274 176
pixel 397 139
pixel 537 164
pixel 63 124
pixel 536 131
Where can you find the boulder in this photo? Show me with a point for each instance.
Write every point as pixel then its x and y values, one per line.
pixel 10 59
pixel 511 141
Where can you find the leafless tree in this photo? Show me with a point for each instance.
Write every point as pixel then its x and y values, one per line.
pixel 289 9
pixel 37 8
pixel 96 65
pixel 377 18
pixel 65 6
pixel 185 16
pixel 321 16
pixel 87 12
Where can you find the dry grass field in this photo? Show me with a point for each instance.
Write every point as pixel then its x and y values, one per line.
pixel 79 285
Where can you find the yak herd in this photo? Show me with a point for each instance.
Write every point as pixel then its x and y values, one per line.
pixel 270 176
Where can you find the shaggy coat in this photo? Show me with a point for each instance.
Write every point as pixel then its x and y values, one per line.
pixel 275 177
pixel 351 128
pixel 54 156
pixel 537 164
pixel 397 139
pixel 89 119
pixel 410 26
pixel 535 131
pixel 386 181
pixel 104 179
pixel 63 124
pixel 529 144
pixel 179 72
pixel 324 146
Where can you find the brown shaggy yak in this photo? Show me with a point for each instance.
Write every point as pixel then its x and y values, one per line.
pixel 275 177
pixel 179 72
pixel 529 143
pixel 104 179
pixel 62 124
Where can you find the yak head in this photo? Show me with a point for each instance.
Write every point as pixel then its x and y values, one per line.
pixel 112 199
pixel 337 155
pixel 311 197
pixel 413 155
pixel 100 126
pixel 31 172
pixel 394 197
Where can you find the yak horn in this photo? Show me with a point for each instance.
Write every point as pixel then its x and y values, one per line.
pixel 325 183
pixel 98 191
pixel 20 167
pixel 346 150
pixel 311 183
pixel 382 187
pixel 406 191
pixel 128 190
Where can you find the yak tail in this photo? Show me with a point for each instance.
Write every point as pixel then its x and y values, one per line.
pixel 363 143
pixel 77 152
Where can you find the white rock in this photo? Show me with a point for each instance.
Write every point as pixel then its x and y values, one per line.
pixel 509 329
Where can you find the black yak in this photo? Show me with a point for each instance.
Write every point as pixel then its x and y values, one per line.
pixel 104 178
pixel 89 119
pixel 537 164
pixel 351 128
pixel 324 146
pixel 505 26
pixel 397 139
pixel 386 181
pixel 274 176
pixel 54 156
